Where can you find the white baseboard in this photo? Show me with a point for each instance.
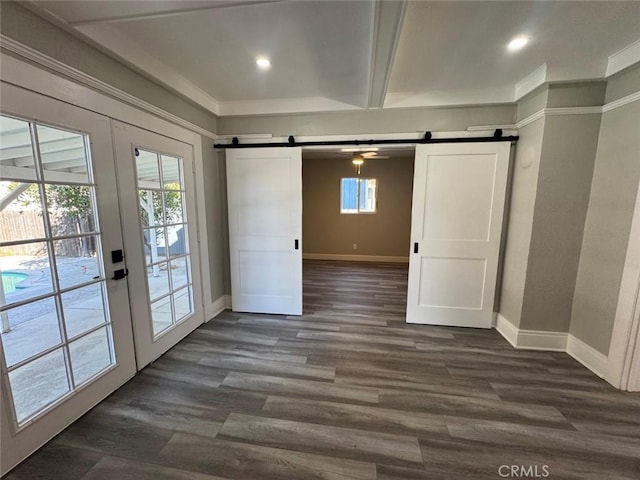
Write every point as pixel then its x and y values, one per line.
pixel 217 307
pixel 507 329
pixel 541 340
pixel 553 341
pixel 587 356
pixel 355 258
pixel 531 339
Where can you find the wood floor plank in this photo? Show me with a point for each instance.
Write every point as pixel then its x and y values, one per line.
pixel 284 369
pixel 336 442
pixel 356 338
pixel 549 438
pixel 169 416
pixel 233 335
pixel 240 460
pixel 463 458
pixel 109 434
pixel 441 386
pixel 308 324
pixel 354 416
pixel 55 462
pixel 291 386
pixel 114 468
pixel 211 349
pixel 477 408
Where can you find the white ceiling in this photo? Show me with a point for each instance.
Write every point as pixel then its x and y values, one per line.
pixel 337 55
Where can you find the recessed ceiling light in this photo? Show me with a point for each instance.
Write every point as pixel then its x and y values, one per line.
pixel 517 43
pixel 263 63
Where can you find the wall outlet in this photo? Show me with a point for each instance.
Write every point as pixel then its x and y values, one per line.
pixel 355 246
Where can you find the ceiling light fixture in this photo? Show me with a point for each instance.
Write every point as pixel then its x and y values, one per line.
pixel 369 149
pixel 517 44
pixel 263 63
pixel 357 161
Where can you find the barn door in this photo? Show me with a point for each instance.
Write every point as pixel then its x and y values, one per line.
pixel 265 229
pixel 456 221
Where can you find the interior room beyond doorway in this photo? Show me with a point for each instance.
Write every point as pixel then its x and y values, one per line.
pixel 378 232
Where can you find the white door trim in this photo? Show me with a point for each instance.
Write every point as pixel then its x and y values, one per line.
pixel 624 349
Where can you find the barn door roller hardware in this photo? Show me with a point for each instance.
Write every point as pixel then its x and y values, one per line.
pixel 427 138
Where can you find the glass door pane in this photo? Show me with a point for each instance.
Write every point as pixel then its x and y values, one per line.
pixel 165 232
pixel 56 327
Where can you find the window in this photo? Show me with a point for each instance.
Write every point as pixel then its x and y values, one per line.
pixel 358 195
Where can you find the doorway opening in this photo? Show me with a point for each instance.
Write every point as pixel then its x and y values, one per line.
pixel 356 226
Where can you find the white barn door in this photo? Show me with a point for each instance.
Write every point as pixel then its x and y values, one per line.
pixel 265 229
pixel 456 222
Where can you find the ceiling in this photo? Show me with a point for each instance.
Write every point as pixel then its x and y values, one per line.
pixel 346 55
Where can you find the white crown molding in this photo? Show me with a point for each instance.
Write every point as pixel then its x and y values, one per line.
pixel 621 102
pixel 82 78
pixel 129 51
pixel 355 258
pixel 550 112
pixel 623 59
pixel 285 105
pixel 529 83
pixel 587 355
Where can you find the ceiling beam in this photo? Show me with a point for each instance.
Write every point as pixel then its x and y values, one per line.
pixel 387 24
pixel 169 13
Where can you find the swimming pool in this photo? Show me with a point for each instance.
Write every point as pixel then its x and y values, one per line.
pixel 10 281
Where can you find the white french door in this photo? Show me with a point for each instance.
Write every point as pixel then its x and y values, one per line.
pixel 265 229
pixel 156 178
pixel 456 222
pixel 66 326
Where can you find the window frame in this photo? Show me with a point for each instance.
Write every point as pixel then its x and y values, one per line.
pixel 358 211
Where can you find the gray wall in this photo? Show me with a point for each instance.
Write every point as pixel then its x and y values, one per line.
pixel 562 197
pixel 370 121
pixel 215 211
pixel 608 223
pixel 26 27
pixel 521 211
pixel 325 230
pixel 549 199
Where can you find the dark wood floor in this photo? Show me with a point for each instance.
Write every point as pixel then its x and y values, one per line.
pixel 349 391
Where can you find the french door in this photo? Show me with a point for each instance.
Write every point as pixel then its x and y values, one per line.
pixel 66 326
pixel 265 229
pixel 456 223
pixel 156 178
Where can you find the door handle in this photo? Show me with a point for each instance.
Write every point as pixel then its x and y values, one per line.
pixel 415 247
pixel 120 274
pixel 296 244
